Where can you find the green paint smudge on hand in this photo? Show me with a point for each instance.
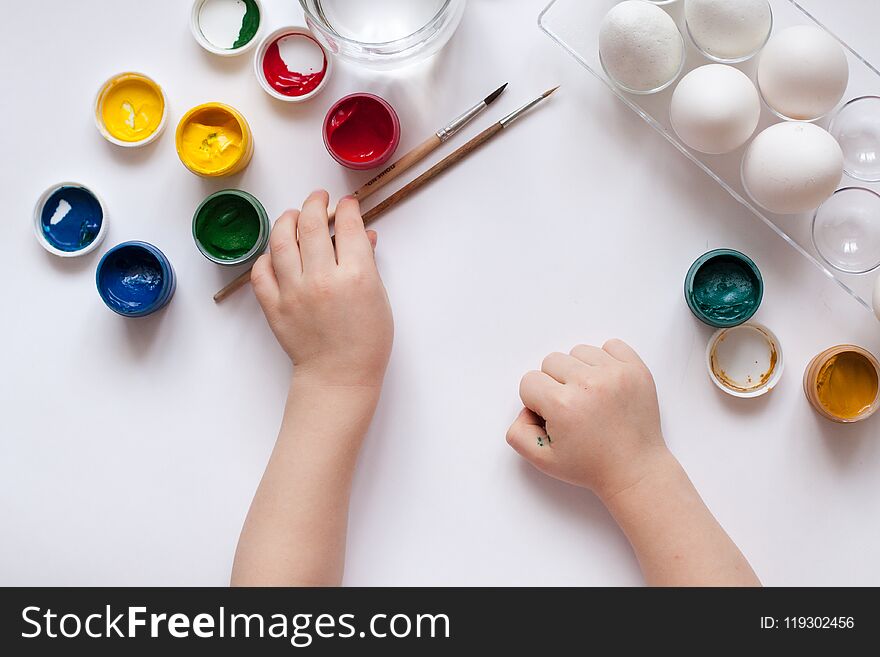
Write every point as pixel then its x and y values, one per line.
pixel 250 24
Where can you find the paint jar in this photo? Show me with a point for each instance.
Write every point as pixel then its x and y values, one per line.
pixel 841 383
pixel 226 27
pixel 70 220
pixel 361 131
pixel 745 361
pixel 214 140
pixel 131 110
pixel 292 66
pixel 135 279
pixel 723 288
pixel 231 227
pixel 383 34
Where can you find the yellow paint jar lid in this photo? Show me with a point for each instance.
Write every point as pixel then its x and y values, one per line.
pixel 214 140
pixel 131 110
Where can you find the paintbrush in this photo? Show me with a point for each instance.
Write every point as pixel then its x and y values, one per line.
pixel 444 164
pixel 393 171
pixel 424 149
pixel 453 159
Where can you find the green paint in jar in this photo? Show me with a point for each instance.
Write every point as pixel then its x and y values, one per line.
pixel 724 288
pixel 231 227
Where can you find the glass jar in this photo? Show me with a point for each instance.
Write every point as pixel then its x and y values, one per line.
pixel 383 34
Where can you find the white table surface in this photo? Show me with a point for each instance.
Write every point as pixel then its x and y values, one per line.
pixel 129 450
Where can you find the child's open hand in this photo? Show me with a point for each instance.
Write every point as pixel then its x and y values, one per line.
pixel 591 418
pixel 327 308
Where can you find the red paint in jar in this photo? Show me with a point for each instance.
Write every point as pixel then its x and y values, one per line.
pixel 361 131
pixel 279 74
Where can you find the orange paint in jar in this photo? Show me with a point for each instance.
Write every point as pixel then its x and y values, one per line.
pixel 843 384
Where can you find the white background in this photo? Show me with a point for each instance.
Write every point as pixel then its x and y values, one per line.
pixel 129 450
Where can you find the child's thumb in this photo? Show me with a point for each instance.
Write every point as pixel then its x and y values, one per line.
pixel 529 438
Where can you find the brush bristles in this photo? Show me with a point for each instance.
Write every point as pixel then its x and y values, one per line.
pixel 494 95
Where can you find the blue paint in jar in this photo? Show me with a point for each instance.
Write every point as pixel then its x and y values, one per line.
pixel 135 279
pixel 71 218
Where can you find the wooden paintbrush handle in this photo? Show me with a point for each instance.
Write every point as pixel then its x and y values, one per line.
pixel 394 171
pixel 372 186
pixel 433 172
pixel 402 165
pixel 236 284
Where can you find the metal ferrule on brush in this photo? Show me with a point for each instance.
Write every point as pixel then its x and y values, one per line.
pixel 456 125
pixel 513 116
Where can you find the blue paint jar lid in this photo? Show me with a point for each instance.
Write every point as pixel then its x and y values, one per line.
pixel 135 279
pixel 724 288
pixel 70 220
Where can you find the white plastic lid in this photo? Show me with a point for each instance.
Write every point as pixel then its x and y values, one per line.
pixel 745 361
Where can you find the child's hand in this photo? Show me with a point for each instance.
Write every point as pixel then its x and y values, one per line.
pixel 328 309
pixel 591 419
pixel 599 407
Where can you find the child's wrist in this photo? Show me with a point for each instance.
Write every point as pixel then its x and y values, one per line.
pixel 319 407
pixel 315 375
pixel 326 389
pixel 653 464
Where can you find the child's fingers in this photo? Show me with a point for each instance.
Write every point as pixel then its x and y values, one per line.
pixel 373 237
pixel 264 282
pixel 531 417
pixel 591 355
pixel 529 438
pixel 537 390
pixel 315 247
pixel 622 351
pixel 565 368
pixel 352 243
pixel 284 249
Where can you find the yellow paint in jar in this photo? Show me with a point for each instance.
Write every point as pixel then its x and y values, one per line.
pixel 130 109
pixel 843 383
pixel 214 140
pixel 847 385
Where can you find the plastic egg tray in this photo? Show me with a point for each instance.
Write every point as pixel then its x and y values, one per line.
pixel 574 25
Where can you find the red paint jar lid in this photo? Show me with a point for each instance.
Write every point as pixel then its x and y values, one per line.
pixel 361 131
pixel 291 65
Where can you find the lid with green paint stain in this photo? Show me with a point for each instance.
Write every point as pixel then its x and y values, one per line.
pixel 724 288
pixel 231 227
pixel 226 27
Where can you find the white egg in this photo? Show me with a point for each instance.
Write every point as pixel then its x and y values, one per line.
pixel 803 73
pixel 729 30
pixel 792 167
pixel 640 46
pixel 715 109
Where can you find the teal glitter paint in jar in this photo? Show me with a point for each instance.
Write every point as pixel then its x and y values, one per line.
pixel 723 288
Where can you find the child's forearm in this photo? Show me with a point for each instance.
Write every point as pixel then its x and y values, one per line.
pixel 676 538
pixel 294 534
